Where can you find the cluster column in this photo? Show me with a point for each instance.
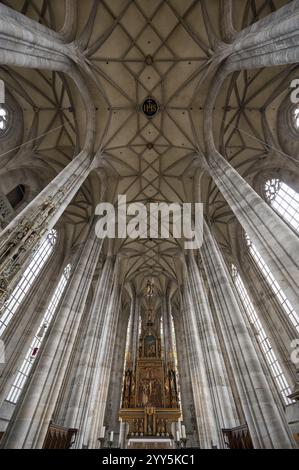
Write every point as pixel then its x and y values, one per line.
pixel 26 43
pixel 29 424
pixel 185 383
pixel 274 40
pixel 219 382
pixel 208 432
pixel 23 234
pixel 267 425
pixel 103 357
pixel 276 242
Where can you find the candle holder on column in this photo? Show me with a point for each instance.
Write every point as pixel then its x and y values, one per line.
pixel 184 442
pixel 110 440
pixel 178 444
pixel 102 442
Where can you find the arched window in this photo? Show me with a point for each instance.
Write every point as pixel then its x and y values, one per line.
pixel 26 367
pixel 4 119
pixel 296 118
pixel 266 347
pixel 284 200
pixel 273 284
pixel 40 257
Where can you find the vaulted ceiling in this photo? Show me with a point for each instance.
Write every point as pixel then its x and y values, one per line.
pixel 134 49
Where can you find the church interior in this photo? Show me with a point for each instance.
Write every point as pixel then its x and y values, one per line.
pixel 137 342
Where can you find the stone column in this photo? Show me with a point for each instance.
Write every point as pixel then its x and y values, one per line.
pixel 20 331
pixel 168 322
pixel 29 424
pixel 25 231
pixel 78 401
pixel 219 383
pixel 267 427
pixel 168 351
pixel 270 41
pixel 185 383
pixel 134 333
pixel 112 422
pixel 274 40
pixel 208 432
pixel 27 43
pixel 276 242
pixel 102 367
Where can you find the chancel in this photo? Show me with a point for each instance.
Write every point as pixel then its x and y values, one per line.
pixel 150 404
pixel 111 110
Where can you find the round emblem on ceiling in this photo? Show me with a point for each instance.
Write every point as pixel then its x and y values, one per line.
pixel 150 107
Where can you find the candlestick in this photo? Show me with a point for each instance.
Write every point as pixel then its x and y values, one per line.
pixel 103 432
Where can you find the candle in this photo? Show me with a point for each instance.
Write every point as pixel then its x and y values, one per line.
pixel 111 436
pixel 102 436
pixel 183 431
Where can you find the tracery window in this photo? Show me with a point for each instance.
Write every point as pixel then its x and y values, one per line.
pixel 284 200
pixel 38 261
pixel 296 118
pixel 4 119
pixel 273 284
pixel 32 353
pixel 266 347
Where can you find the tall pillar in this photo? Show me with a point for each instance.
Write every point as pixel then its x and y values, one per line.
pixel 112 422
pixel 26 230
pixel 170 325
pixel 274 40
pixel 29 424
pixel 27 43
pixel 168 352
pixel 276 242
pixel 270 41
pixel 219 382
pixel 91 419
pixel 185 383
pixel 208 432
pixel 97 397
pixel 134 333
pixel 267 427
pixel 83 374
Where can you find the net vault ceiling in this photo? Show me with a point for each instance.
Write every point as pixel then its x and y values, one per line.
pixel 132 50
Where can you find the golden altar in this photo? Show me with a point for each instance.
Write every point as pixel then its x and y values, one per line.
pixel 150 403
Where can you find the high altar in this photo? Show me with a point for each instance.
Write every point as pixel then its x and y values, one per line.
pixel 150 403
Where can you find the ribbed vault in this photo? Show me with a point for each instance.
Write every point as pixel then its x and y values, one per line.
pixel 132 50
